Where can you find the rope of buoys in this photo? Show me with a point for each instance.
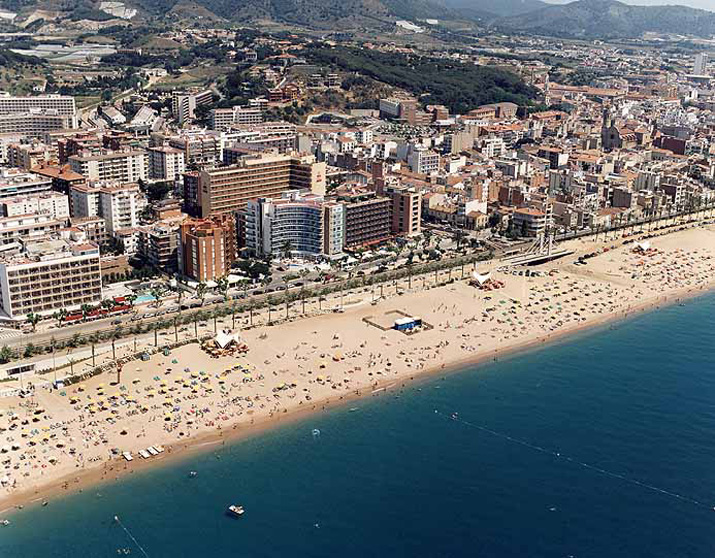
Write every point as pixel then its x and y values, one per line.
pixel 140 547
pixel 455 417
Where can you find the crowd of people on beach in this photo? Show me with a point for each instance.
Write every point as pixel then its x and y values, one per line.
pixel 175 398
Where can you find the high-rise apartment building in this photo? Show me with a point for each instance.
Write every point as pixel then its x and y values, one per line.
pixel 367 216
pixel 34 123
pixel 62 104
pixel 406 210
pixel 54 204
pixel 121 206
pixel 166 163
pixel 48 275
pixel 297 223
pixel 228 189
pixel 184 104
pixel 224 118
pixel 159 245
pixel 15 182
pixel 207 247
pixel 200 147
pixel 700 67
pixel 84 200
pixel 27 227
pixel 114 166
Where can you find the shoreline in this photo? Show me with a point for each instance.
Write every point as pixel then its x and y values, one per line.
pixel 203 442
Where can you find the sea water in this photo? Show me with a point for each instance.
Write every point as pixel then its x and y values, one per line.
pixel 602 445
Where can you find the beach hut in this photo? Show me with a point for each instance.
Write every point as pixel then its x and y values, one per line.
pixel 407 324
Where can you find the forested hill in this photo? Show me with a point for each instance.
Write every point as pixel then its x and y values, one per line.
pixel 461 87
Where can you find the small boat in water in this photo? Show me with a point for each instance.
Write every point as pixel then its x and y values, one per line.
pixel 235 511
pixel 192 474
pixel 5 522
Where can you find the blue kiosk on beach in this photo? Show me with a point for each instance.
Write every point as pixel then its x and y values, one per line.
pixel 407 324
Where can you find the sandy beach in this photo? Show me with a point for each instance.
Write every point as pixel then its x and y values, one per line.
pixel 62 441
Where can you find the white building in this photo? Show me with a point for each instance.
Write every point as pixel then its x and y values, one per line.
pixel 84 200
pixel 34 122
pixel 166 163
pixel 63 104
pixel 423 161
pixel 223 118
pixel 15 182
pixel 54 204
pixel 115 166
pixel 49 275
pixel 184 104
pixel 303 223
pixel 700 68
pixel 121 206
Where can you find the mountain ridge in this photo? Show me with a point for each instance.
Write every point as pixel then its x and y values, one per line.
pixel 611 19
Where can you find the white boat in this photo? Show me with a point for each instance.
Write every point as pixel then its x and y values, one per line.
pixel 144 454
pixel 128 456
pixel 5 522
pixel 235 511
pixel 152 450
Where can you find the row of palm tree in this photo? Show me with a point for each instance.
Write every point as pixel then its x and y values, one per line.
pixel 251 305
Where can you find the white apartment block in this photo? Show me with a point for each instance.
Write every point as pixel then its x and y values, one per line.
pixel 29 155
pixel 49 275
pixel 54 204
pixel 6 140
pixel 24 227
pixel 223 118
pixel 84 200
pixel 34 122
pixel 16 182
pixel 423 161
pixel 121 206
pixel 63 104
pixel 199 146
pixel 184 104
pixel 166 163
pixel 114 166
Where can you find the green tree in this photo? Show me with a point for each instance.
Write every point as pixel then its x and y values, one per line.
pixel 33 319
pixel 6 354
pixel 222 286
pixel 201 291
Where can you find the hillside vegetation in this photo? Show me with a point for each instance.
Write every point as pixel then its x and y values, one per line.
pixel 460 87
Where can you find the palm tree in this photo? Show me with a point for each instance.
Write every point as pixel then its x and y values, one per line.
pixel 156 292
pixel 60 316
pixel 458 237
pixel 222 285
pixel 427 234
pixel 32 319
pixel 251 307
pixel 130 298
pixel 201 291
pixel 287 249
pixel 269 300
pixel 86 309
pixel 179 296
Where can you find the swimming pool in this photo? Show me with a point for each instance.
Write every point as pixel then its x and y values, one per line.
pixel 144 298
